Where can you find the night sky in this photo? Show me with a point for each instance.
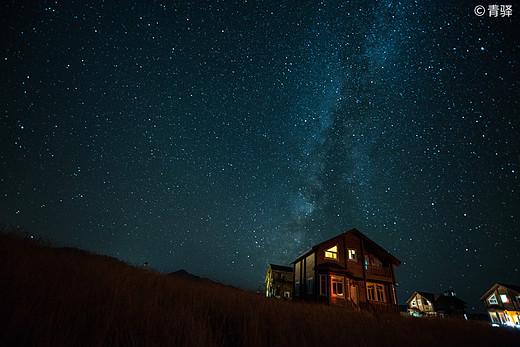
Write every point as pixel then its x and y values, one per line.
pixel 222 136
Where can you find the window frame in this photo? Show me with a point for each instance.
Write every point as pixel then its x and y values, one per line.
pixel 376 293
pixel 310 285
pixel 380 293
pixel 336 283
pixel 494 317
pixel 323 285
pixel 352 255
pixel 371 292
pixel 332 254
pixel 492 300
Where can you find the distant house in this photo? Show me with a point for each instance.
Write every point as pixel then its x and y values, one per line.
pixel 440 305
pixel 503 304
pixel 279 281
pixel 349 269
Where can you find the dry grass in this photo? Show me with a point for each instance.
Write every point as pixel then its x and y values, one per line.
pixel 67 297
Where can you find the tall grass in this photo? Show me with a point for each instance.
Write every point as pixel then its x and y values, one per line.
pixel 67 297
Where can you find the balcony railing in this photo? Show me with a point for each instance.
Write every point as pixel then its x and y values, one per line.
pixel 379 271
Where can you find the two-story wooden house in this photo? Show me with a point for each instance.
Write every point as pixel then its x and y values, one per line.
pixel 446 304
pixel 349 269
pixel 503 304
pixel 279 281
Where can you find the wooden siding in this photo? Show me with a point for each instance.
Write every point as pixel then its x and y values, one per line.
pixel 310 280
pixel 512 305
pixel 320 254
pixel 379 273
pixel 297 279
pixel 309 266
pixel 354 267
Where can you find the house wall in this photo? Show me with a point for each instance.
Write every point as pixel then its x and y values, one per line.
pixel 283 280
pixel 278 282
pixel 422 306
pixel 297 279
pixel 354 267
pixel 305 282
pixel 320 254
pixel 352 271
pixel 310 280
pixel 512 305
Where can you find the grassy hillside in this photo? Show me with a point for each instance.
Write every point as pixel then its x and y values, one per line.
pixel 67 297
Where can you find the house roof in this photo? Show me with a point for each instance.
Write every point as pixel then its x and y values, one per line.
pixel 281 268
pixel 440 301
pixel 448 302
pixel 492 289
pixel 429 296
pixel 371 244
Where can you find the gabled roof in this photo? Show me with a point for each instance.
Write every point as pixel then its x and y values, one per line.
pixel 371 244
pixel 448 302
pixel 429 296
pixel 440 301
pixel 495 287
pixel 281 268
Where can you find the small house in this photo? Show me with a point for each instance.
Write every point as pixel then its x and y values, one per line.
pixel 279 281
pixel 503 304
pixel 446 304
pixel 349 270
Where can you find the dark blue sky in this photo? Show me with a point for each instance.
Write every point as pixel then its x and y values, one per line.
pixel 220 137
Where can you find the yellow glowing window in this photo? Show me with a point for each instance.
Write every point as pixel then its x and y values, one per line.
pixel 352 254
pixel 332 253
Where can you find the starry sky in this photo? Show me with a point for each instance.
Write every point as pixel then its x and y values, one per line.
pixel 221 136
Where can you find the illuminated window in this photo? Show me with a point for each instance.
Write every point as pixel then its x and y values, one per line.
pixel 337 286
pixel 419 301
pixel 493 300
pixel 332 253
pixel 504 298
pixel 414 304
pixel 352 254
pixel 426 302
pixel 494 318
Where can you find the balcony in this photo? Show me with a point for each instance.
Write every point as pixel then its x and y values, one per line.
pixel 379 271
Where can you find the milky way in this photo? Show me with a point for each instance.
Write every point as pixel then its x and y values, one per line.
pixel 220 137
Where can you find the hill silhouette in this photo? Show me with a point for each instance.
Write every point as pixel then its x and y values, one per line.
pixel 68 297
